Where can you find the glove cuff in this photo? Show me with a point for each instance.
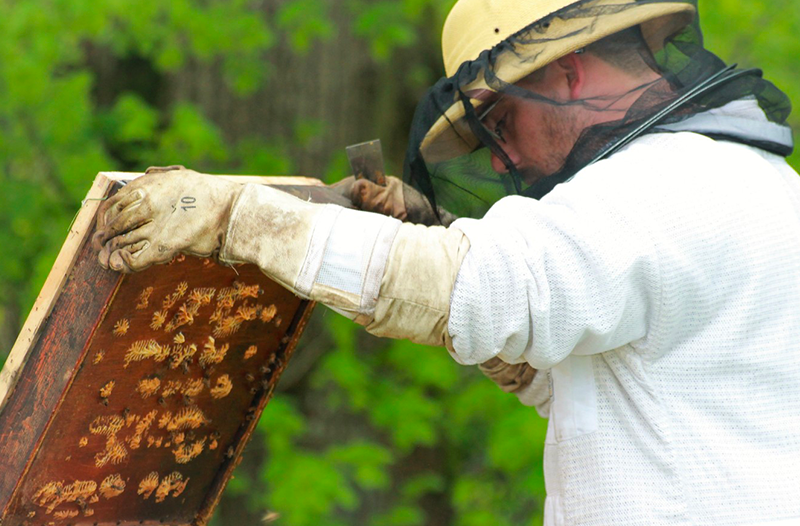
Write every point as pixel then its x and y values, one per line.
pixel 395 278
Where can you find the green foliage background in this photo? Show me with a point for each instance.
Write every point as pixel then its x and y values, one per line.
pixel 373 432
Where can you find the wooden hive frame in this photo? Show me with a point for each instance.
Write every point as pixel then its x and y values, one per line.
pixel 128 399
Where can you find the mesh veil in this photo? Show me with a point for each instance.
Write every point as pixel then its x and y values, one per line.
pixel 692 81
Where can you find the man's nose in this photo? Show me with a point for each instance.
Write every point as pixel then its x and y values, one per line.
pixel 497 164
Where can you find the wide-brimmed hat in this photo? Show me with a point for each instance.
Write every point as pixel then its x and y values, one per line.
pixel 551 28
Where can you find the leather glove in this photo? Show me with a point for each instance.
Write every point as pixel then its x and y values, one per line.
pixel 169 210
pixel 396 199
pixel 511 378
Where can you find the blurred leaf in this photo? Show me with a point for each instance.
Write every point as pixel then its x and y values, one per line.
pixel 304 21
pixel 369 462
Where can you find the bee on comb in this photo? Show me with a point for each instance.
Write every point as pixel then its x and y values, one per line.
pixel 144 298
pixel 171 483
pixel 112 486
pixel 267 313
pixel 105 391
pixel 144 349
pixel 222 388
pixel 159 318
pixel 212 355
pixel 148 485
pixel 121 327
pixel 186 452
pixel 147 387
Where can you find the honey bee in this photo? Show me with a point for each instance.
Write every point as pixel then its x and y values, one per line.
pixel 222 388
pixel 106 425
pixel 165 419
pixel 105 391
pixel 246 312
pixel 172 387
pixel 226 297
pixel 187 418
pixel 112 486
pixel 98 357
pixel 148 485
pixel 144 298
pixel 121 327
pixel 217 315
pixel 115 453
pixel 148 387
pixel 141 428
pixel 144 349
pixel 49 495
pixel 202 296
pixel 182 354
pixel 184 316
pixel 53 494
pixel 193 387
pixel 171 483
pixel 267 313
pixel 227 326
pixel 248 292
pixel 184 453
pixel 170 300
pixel 211 354
pixel 159 317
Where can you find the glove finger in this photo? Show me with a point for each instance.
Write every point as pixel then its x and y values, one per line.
pixel 135 216
pixel 363 194
pixel 128 259
pixel 344 187
pixel 116 204
pixel 124 241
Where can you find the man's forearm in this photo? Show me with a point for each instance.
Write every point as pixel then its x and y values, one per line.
pixel 395 279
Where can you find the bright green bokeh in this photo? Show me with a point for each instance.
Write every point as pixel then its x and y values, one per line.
pixel 426 437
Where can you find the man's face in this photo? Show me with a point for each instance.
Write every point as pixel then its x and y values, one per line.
pixel 536 135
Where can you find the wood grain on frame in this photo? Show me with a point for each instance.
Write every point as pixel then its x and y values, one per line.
pixel 128 398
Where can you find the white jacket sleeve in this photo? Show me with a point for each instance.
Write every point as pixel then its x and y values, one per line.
pixel 572 273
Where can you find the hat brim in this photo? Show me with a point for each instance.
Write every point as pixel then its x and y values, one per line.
pixel 450 135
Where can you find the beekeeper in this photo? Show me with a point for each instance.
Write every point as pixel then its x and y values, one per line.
pixel 641 288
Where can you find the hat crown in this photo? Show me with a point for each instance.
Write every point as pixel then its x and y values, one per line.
pixel 476 25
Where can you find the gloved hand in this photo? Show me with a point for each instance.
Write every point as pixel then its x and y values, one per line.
pixel 511 378
pixel 169 210
pixel 396 199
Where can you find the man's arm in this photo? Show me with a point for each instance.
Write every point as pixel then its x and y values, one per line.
pixel 396 279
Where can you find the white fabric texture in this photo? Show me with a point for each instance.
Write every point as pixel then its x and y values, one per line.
pixel 355 249
pixel 658 294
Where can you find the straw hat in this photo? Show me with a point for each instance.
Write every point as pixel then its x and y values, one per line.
pixel 477 25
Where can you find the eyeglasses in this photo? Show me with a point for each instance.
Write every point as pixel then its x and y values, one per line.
pixel 496 133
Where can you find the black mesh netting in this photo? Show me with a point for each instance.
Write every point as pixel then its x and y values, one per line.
pixel 692 81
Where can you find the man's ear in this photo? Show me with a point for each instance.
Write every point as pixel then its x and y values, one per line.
pixel 574 73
